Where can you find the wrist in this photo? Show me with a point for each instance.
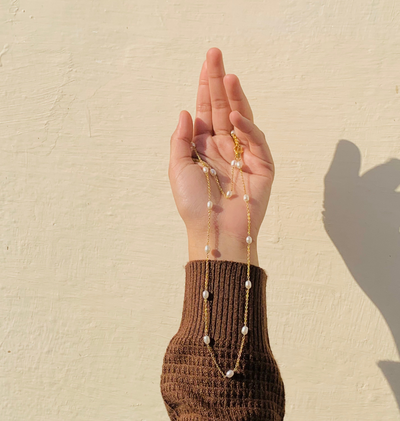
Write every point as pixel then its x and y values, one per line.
pixel 223 247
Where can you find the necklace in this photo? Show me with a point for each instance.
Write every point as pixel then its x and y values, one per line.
pixel 235 164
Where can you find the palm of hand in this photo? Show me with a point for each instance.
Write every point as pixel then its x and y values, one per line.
pixel 221 105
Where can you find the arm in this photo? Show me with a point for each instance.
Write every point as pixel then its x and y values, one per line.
pixel 194 386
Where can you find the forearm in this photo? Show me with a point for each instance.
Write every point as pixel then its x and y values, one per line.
pixel 223 247
pixel 190 382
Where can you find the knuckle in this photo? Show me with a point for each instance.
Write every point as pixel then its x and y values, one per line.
pixel 219 103
pixel 203 107
pixel 272 169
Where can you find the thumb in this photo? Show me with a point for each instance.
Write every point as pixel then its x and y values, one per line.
pixel 180 149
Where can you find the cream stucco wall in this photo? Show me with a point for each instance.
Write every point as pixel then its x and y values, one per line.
pixel 92 248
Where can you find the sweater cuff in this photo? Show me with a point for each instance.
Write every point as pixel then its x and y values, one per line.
pixel 227 297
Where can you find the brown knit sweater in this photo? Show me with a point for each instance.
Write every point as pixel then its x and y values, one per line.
pixel 191 386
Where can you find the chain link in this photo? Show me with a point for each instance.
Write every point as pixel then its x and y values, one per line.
pixel 238 150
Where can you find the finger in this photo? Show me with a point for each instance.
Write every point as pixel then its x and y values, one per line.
pixel 256 138
pixel 237 98
pixel 203 121
pixel 180 149
pixel 219 99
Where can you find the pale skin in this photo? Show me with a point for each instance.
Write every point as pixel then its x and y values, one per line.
pixel 221 106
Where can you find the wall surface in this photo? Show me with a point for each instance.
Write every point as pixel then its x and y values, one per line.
pixel 92 248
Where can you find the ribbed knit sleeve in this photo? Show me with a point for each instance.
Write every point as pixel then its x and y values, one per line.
pixel 191 385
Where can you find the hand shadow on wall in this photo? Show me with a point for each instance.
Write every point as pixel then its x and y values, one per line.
pixel 362 217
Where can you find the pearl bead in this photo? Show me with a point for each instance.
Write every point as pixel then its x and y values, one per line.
pixel 207 248
pixel 228 194
pixel 232 131
pixel 205 294
pixel 233 163
pixel 213 172
pixel 238 164
pixel 205 170
pixel 246 198
pixel 193 144
pixel 245 330
pixel 209 204
pixel 249 240
pixel 248 284
pixel 206 339
pixel 229 373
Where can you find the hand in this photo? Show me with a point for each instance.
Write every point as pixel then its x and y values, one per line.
pixel 220 107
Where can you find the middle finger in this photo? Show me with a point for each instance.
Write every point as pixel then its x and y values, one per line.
pixel 219 99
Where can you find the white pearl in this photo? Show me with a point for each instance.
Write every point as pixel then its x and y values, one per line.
pixel 206 339
pixel 193 144
pixel 232 131
pixel 248 284
pixel 245 330
pixel 228 194
pixel 233 163
pixel 239 164
pixel 229 373
pixel 249 240
pixel 246 198
pixel 205 294
pixel 205 169
pixel 213 172
pixel 209 204
pixel 207 248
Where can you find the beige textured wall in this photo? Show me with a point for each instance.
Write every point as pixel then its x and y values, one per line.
pixel 92 248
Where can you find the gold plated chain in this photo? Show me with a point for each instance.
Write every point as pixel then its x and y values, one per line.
pixel 235 164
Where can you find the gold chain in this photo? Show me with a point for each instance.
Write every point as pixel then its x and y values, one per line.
pixel 236 163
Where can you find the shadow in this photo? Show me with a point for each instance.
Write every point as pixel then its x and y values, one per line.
pixel 362 217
